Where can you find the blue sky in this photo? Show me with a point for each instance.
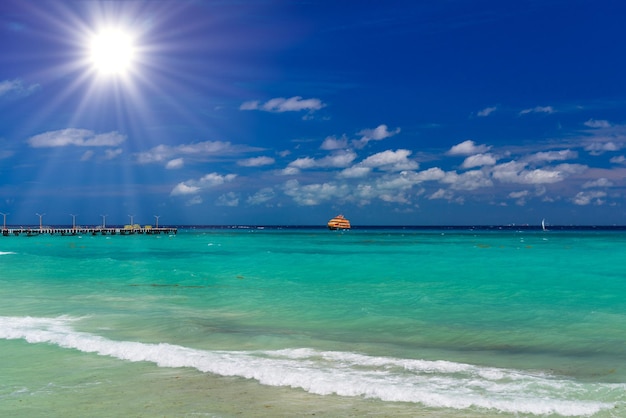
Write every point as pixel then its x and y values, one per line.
pixel 290 112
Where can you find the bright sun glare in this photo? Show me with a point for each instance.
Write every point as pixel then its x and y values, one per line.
pixel 112 52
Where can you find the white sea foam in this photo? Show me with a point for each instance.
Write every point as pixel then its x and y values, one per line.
pixel 6 252
pixel 430 383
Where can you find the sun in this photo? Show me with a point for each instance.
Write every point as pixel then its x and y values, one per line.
pixel 112 51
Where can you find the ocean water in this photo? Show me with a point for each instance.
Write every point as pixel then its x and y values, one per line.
pixel 295 322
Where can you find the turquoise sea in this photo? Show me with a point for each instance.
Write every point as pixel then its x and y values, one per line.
pixel 225 322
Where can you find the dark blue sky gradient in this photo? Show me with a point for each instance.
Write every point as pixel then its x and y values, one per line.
pixel 282 112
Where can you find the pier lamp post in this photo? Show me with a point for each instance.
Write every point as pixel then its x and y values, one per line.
pixel 73 221
pixel 104 221
pixel 4 224
pixel 157 220
pixel 40 220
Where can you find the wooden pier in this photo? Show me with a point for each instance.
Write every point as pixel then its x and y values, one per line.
pixel 127 230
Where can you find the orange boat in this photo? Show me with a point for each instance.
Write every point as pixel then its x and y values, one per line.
pixel 338 222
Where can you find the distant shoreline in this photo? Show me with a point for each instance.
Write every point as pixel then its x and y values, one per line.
pixel 361 227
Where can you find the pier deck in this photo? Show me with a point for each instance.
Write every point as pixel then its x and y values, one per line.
pixel 86 231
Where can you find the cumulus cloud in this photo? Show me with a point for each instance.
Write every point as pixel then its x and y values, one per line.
pixel 332 143
pixel 590 197
pixel 390 161
pixel 520 194
pixel 87 155
pixel 230 199
pixel 264 195
pixel 520 197
pixel 618 160
pixel 339 159
pixel 112 153
pixel 538 109
pixel 600 146
pixel 175 164
pixel 355 172
pixel 162 153
pixel 256 162
pixel 517 172
pixel 281 104
pixel 16 88
pixel 487 111
pixel 195 200
pixel 377 134
pixel 594 123
pixel 290 171
pixel 470 180
pixel 195 186
pixel 479 160
pixel 76 137
pixel 552 156
pixel 314 194
pixel 468 147
pixel 183 189
pixel 601 182
pixel 303 163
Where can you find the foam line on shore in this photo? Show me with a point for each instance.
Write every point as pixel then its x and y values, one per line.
pixel 441 384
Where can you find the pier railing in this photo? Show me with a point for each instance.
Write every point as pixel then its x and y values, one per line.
pixel 147 230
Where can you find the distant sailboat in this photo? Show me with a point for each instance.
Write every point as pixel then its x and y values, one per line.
pixel 543 224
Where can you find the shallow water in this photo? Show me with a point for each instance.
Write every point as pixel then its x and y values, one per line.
pixel 283 322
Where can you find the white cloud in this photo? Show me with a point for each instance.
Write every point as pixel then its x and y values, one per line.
pixel 470 180
pixel 314 194
pixel 196 186
pixel 195 200
pixel 377 134
pixel 538 109
pixel 281 104
pixel 441 194
pixel 518 195
pixel 87 155
pixel 594 123
pixel 487 111
pixel 479 160
pixel 110 154
pixel 590 197
pixel 390 161
pixel 338 159
pixel 290 171
pixel 16 88
pixel 250 105
pixel 331 143
pixel 230 199
pixel 303 163
pixel 601 182
pixel 618 160
pixel 355 172
pixel 468 147
pixel 432 174
pixel 600 147
pixel 162 152
pixel 264 195
pixel 516 172
pixel 175 164
pixel 76 137
pixel 183 189
pixel 256 162
pixel 553 156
